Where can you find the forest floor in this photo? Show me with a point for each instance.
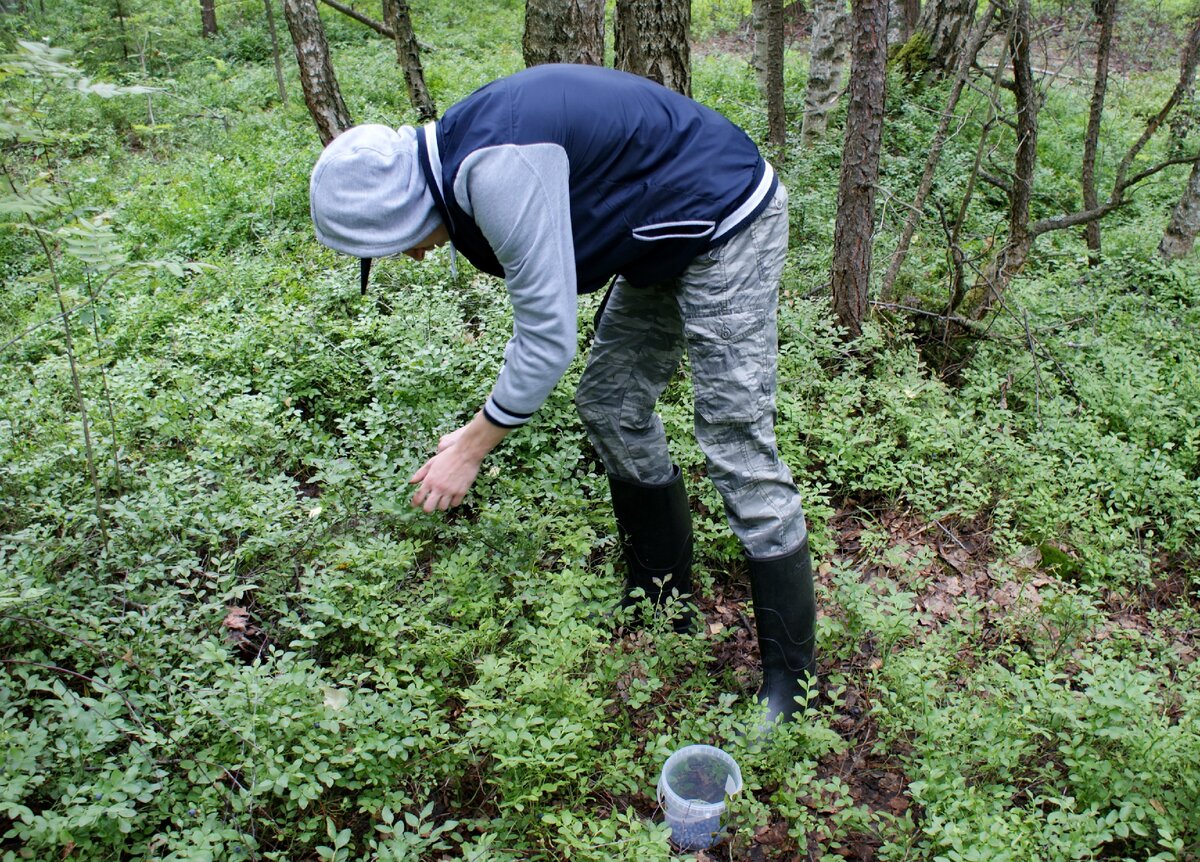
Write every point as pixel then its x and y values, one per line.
pixel 953 583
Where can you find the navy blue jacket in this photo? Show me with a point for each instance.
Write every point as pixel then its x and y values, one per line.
pixel 655 178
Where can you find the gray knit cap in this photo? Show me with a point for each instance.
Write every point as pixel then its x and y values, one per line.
pixel 368 196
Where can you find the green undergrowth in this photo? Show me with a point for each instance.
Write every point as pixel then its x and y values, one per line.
pixel 254 648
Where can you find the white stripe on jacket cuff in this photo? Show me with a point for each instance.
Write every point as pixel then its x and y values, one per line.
pixel 497 415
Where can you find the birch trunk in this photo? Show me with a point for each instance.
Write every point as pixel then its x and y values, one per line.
pixel 827 60
pixel 946 24
pixel 321 93
pixel 1185 220
pixel 563 32
pixel 650 38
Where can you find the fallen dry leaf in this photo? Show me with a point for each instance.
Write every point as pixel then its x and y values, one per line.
pixel 237 619
pixel 956 558
pixel 939 606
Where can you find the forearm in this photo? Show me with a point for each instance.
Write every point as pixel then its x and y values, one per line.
pixel 479 437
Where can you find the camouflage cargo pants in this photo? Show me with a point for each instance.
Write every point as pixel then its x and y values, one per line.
pixel 722 308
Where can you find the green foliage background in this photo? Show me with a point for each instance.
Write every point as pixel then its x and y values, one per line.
pixel 403 686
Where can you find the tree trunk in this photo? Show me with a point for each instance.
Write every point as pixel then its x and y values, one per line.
pixel 321 92
pixel 945 24
pixel 408 57
pixel 208 17
pixel 1185 220
pixel 760 14
pixel 912 15
pixel 275 52
pixel 1107 11
pixel 563 32
pixel 120 13
pixel 854 227
pixel 990 286
pixel 902 19
pixel 827 59
pixel 978 38
pixel 650 38
pixel 767 17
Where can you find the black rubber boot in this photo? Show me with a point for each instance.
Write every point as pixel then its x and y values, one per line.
pixel 785 612
pixel 655 526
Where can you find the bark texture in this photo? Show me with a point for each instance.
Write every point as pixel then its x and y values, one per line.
pixel 1180 234
pixel 827 60
pixel 902 20
pixel 1106 10
pixel 321 92
pixel 408 57
pixel 946 24
pixel 999 272
pixel 854 228
pixel 563 31
pixel 966 58
pixel 767 17
pixel 276 54
pixel 650 38
pixel 208 17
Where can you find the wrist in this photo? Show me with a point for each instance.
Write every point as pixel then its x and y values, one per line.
pixel 480 436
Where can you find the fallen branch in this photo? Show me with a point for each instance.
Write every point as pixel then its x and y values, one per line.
pixel 360 18
pixel 1115 200
pixel 37 326
pixel 972 326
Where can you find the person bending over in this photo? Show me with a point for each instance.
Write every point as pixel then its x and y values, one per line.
pixel 559 179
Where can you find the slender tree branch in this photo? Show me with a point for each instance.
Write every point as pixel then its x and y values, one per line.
pixel 360 18
pixel 997 182
pixel 1151 171
pixel 1115 201
pixel 75 382
pixel 974 43
pixel 1062 222
pixel 46 322
pixel 971 325
pixel 1187 71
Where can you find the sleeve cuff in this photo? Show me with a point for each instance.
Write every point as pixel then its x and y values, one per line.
pixel 498 415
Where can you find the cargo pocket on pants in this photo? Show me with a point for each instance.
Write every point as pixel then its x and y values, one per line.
pixel 731 364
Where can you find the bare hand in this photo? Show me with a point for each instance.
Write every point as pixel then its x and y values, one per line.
pixel 448 440
pixel 444 479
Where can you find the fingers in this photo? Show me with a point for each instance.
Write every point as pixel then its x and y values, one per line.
pixel 433 502
pixel 443 481
pixel 422 473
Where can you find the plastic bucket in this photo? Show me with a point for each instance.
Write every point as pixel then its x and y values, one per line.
pixel 692 789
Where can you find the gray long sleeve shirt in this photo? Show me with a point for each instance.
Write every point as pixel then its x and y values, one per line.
pixel 519 198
